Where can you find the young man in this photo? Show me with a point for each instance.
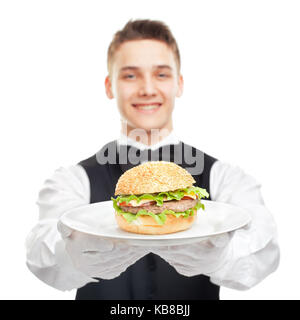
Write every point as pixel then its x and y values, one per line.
pixel 144 78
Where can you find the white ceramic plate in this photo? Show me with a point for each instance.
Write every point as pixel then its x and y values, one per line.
pixel 98 219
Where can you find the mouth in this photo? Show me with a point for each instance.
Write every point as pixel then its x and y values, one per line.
pixel 147 108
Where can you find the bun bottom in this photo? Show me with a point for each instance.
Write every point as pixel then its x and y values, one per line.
pixel 150 226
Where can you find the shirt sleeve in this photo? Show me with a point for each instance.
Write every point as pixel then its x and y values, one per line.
pixel 46 256
pixel 254 250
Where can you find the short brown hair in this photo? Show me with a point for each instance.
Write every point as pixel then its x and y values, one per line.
pixel 139 30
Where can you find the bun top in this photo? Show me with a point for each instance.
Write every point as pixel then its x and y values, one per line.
pixel 152 177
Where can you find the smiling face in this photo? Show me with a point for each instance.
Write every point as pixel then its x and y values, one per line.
pixel 144 79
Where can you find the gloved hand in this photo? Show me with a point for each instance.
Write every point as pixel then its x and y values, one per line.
pixel 97 256
pixel 203 257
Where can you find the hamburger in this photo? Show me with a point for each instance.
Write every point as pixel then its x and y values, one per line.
pixel 157 197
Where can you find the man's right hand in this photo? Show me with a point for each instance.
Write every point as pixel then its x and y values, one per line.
pixel 97 256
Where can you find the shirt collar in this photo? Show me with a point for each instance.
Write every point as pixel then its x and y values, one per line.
pixel 170 139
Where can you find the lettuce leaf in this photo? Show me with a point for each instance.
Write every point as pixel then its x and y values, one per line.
pixel 159 197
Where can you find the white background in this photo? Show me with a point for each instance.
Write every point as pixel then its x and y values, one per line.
pixel 240 62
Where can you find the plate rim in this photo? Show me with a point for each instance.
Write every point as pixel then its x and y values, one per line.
pixel 154 238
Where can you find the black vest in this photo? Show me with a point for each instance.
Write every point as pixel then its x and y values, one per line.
pixel 150 277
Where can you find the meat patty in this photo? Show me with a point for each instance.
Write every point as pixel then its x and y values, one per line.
pixel 175 205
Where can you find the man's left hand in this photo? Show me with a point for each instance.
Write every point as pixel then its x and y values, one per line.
pixel 203 257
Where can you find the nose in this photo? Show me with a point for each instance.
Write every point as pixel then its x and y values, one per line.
pixel 147 87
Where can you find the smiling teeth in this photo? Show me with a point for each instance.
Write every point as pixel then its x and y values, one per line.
pixel 149 107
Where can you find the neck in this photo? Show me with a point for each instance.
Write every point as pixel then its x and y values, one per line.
pixel 147 137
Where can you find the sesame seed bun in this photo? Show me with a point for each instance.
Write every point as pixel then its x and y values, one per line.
pixel 152 177
pixel 147 225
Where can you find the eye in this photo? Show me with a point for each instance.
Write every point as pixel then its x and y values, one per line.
pixel 162 75
pixel 129 76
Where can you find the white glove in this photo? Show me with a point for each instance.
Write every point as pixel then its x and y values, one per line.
pixel 203 257
pixel 97 256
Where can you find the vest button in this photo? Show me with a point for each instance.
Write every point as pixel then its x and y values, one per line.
pixel 152 266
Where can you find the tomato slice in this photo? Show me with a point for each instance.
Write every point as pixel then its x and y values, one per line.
pixel 125 204
pixel 141 205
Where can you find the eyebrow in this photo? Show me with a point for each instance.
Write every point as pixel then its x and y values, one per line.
pixel 161 66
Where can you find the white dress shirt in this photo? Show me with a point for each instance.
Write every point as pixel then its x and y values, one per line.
pixel 254 249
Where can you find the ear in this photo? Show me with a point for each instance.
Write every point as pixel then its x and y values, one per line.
pixel 108 88
pixel 180 86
